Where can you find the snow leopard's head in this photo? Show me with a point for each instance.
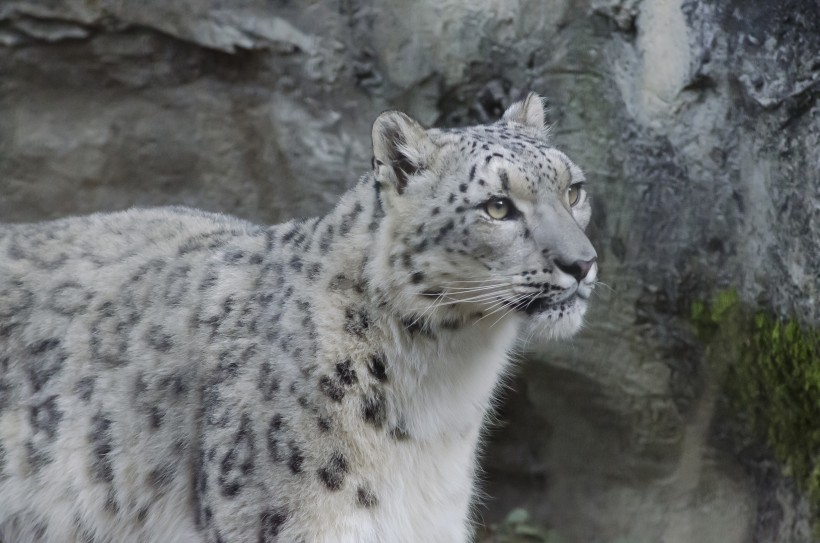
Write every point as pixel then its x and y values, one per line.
pixel 484 222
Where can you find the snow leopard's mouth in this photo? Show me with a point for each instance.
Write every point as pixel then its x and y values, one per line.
pixel 536 304
pixel 540 302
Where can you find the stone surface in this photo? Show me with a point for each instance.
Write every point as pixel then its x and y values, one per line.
pixel 697 123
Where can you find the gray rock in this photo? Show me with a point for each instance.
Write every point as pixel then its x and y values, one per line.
pixel 697 123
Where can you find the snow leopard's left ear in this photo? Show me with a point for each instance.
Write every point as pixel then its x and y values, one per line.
pixel 529 112
pixel 400 149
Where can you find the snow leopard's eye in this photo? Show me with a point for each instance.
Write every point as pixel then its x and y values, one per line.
pixel 574 193
pixel 500 208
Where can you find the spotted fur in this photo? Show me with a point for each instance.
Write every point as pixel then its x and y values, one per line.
pixel 169 375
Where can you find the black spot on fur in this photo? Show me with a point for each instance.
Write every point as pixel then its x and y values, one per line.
pixel 161 477
pixel 407 260
pixel 505 180
pixel 111 504
pixel 399 432
pixel 37 457
pixel 472 172
pixel 99 438
pixel 349 220
pixel 233 256
pixel 416 325
pixel 313 271
pixel 331 388
pixel 45 417
pixel 208 282
pixel 238 463
pixel 346 373
pixel 377 367
pixel 357 321
pixel 296 263
pixel 290 234
pixel 374 408
pixel 462 187
pixel 451 324
pixel 270 524
pixel 326 240
pixel 174 385
pixel 155 417
pixel 69 298
pixel 417 277
pixel 109 338
pixel 177 286
pixel 325 423
pixel 444 230
pixel 297 458
pixel 159 340
pixel 47 359
pixel 228 366
pixel 366 498
pixel 333 473
pixel 273 440
pixel 268 382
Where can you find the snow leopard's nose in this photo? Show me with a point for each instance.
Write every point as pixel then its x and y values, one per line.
pixel 578 269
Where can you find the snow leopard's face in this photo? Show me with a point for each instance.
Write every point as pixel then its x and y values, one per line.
pixel 488 221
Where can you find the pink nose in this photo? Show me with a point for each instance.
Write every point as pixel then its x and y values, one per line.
pixel 578 269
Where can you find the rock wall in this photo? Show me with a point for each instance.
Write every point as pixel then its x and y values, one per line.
pixel 697 123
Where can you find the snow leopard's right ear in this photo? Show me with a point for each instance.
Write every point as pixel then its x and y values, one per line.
pixel 529 112
pixel 400 149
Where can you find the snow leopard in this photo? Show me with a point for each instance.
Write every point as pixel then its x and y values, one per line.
pixel 172 375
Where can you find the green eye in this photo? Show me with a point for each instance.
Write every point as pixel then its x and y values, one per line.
pixel 499 208
pixel 574 194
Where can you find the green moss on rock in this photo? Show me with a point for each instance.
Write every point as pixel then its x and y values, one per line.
pixel 772 370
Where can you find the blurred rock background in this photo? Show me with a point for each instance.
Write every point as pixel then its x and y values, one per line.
pixel 697 123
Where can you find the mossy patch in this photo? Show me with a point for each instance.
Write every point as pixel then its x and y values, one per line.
pixel 772 369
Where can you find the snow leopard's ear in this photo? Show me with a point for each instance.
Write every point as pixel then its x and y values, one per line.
pixel 529 112
pixel 400 149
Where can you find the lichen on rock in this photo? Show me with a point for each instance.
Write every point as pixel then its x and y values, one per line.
pixel 772 378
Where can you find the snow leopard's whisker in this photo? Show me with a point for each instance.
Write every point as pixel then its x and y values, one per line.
pixel 489 277
pixel 533 330
pixel 462 295
pixel 504 278
pixel 438 302
pixel 465 290
pixel 495 308
pixel 486 298
pixel 604 285
pixel 513 307
pixel 484 287
pixel 499 302
pixel 496 312
pixel 430 308
pixel 474 299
